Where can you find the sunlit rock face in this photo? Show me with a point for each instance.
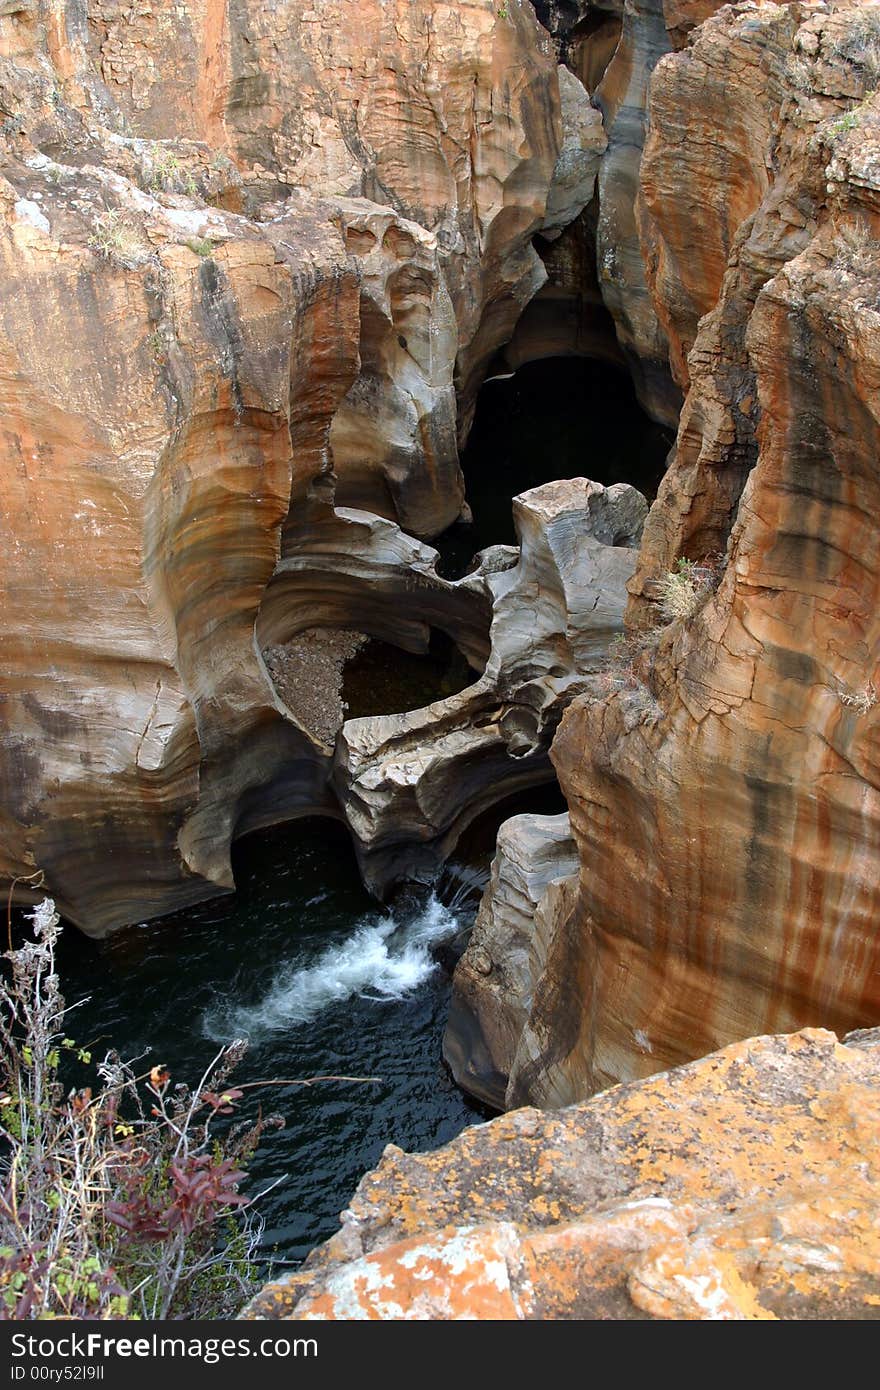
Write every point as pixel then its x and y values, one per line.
pixel 739 1188
pixel 148 476
pixel 449 113
pixel 256 263
pixel 725 799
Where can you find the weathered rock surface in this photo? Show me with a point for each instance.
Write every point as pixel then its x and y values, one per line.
pixel 199 356
pixel 148 475
pixel 535 865
pixel 741 1187
pixel 612 47
pixel 622 99
pixel 583 143
pixel 449 113
pixel 411 783
pixel 725 800
pixel 393 438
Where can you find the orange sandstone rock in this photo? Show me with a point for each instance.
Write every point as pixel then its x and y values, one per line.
pixel 741 1187
pixel 221 237
pixel 726 801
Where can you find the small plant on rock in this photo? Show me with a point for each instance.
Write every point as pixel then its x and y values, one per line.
pixel 116 238
pixel 684 589
pixel 860 700
pixel 848 121
pixel 857 250
pixel 200 245
pixel 169 175
pixel 860 45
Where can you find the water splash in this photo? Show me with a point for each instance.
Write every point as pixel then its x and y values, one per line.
pixel 383 959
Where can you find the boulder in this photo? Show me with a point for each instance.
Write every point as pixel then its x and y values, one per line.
pixel 739 1188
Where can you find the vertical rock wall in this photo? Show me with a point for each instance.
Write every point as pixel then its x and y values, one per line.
pixel 725 799
pixel 254 261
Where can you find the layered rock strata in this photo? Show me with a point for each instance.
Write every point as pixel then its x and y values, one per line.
pixel 200 356
pixel 534 870
pixel 598 300
pixel 149 474
pixel 742 1187
pixel 725 795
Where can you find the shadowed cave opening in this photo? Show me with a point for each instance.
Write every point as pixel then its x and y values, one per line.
pixel 384 679
pixel 564 417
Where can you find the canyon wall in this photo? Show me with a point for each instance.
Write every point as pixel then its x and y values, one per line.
pixel 254 267
pixel 723 783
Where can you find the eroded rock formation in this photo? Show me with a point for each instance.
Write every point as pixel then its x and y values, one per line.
pixel 411 783
pixel 598 301
pixel 740 1187
pixel 724 795
pixel 534 871
pixel 253 265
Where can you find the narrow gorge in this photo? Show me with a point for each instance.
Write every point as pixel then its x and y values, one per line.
pixel 440 584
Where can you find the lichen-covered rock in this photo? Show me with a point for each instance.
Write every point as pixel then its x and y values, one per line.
pixel 741 1187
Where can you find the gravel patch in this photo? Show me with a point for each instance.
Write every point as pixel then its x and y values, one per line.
pixel 307 673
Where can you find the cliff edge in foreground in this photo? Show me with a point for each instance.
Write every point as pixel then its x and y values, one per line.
pixel 743 1186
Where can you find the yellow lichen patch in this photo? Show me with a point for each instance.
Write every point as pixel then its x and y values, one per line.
pixel 743 1186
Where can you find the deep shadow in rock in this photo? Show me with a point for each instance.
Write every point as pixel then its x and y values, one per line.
pixel 384 679
pixel 558 418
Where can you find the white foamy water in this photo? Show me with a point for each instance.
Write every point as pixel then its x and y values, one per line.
pixel 382 960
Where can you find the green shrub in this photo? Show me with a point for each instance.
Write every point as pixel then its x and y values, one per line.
pixel 200 245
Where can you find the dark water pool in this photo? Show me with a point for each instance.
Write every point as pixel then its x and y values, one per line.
pixel 322 980
pixel 301 959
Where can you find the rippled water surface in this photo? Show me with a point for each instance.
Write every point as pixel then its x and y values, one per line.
pixel 322 980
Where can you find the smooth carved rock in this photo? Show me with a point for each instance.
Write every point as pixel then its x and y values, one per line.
pixel 749 193
pixel 583 143
pixel 742 1187
pixel 726 806
pixel 613 48
pixel 200 356
pixel 621 97
pixel 567 316
pixel 496 976
pixel 149 468
pixel 393 439
pixel 447 112
pixel 344 568
pixel 410 783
